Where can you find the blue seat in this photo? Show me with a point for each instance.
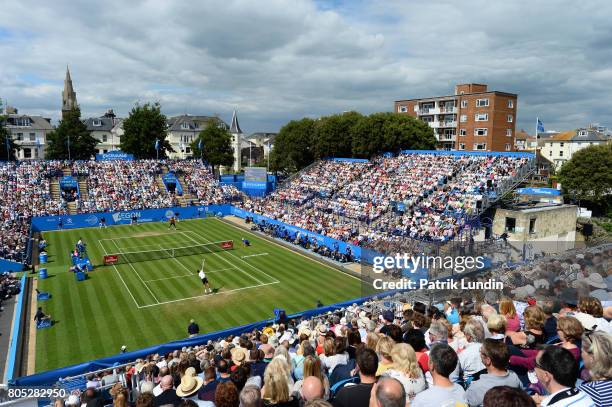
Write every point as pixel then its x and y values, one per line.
pixel 337 386
pixel 45 323
pixel 80 276
pixel 43 296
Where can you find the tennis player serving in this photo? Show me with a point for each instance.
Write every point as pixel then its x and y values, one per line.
pixel 204 279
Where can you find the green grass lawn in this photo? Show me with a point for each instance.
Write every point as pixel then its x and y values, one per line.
pixel 151 302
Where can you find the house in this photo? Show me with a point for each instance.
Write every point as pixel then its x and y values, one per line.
pixel 561 147
pixel 29 133
pixel 107 130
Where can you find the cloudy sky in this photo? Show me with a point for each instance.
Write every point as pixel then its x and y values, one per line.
pixel 277 60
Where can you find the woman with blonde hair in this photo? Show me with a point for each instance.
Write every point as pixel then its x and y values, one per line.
pixel 312 367
pixel 383 350
pixel 506 308
pixel 596 354
pixel 277 384
pixel 372 340
pixel 406 370
pixel 497 324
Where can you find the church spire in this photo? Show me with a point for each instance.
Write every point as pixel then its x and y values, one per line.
pixel 235 127
pixel 69 100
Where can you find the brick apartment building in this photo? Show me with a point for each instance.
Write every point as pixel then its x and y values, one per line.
pixel 473 119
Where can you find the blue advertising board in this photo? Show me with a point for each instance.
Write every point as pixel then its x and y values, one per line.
pixel 538 191
pixel 87 220
pixel 170 178
pixel 294 230
pixel 115 155
pixel 68 182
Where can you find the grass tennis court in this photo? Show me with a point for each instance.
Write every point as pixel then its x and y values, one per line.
pixel 151 302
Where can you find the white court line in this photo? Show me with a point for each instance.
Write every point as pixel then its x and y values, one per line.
pixel 254 255
pixel 134 237
pixel 170 278
pixel 223 258
pixel 119 274
pixel 189 275
pixel 232 254
pixel 143 282
pixel 286 248
pixel 206 295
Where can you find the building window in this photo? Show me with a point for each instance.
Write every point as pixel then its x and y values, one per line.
pixel 19 136
pixel 185 126
pixel 461 146
pixel 550 153
pixel 510 104
pixel 104 138
pixel 481 117
pixel 482 102
pixel 463 118
pixel 561 144
pixel 105 151
pixel 510 118
pixel 480 146
pixel 509 132
pixel 532 226
pixel 510 224
pixel 463 104
pixel 481 132
pixel 507 146
pixel 27 153
pixel 427 119
pixel 35 153
pixel 583 133
pixel 403 109
pixel 462 132
pixel 32 136
pixel 561 153
pixel 97 122
pixel 23 122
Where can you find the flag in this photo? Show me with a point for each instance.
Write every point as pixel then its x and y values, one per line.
pixel 7 142
pixel 200 144
pixel 540 126
pixel 157 144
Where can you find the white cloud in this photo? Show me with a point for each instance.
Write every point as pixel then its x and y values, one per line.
pixel 276 60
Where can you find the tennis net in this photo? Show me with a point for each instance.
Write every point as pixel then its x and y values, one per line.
pixel 167 252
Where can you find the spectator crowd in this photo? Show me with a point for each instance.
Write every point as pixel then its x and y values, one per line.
pixel 483 350
pixel 25 192
pixel 417 196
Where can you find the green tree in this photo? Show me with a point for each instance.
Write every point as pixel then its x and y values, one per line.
pixel 587 176
pixel 293 147
pixel 144 126
pixel 216 144
pixel 71 133
pixel 5 138
pixel 390 132
pixel 332 135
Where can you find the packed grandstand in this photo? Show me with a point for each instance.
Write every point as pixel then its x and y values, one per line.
pixel 545 339
pixel 417 196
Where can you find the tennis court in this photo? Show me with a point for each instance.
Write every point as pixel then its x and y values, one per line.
pixel 226 271
pixel 151 300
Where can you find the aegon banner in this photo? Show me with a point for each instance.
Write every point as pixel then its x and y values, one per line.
pixel 114 155
pixel 88 220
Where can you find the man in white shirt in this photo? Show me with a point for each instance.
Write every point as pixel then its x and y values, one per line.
pixel 205 282
pixel 557 370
